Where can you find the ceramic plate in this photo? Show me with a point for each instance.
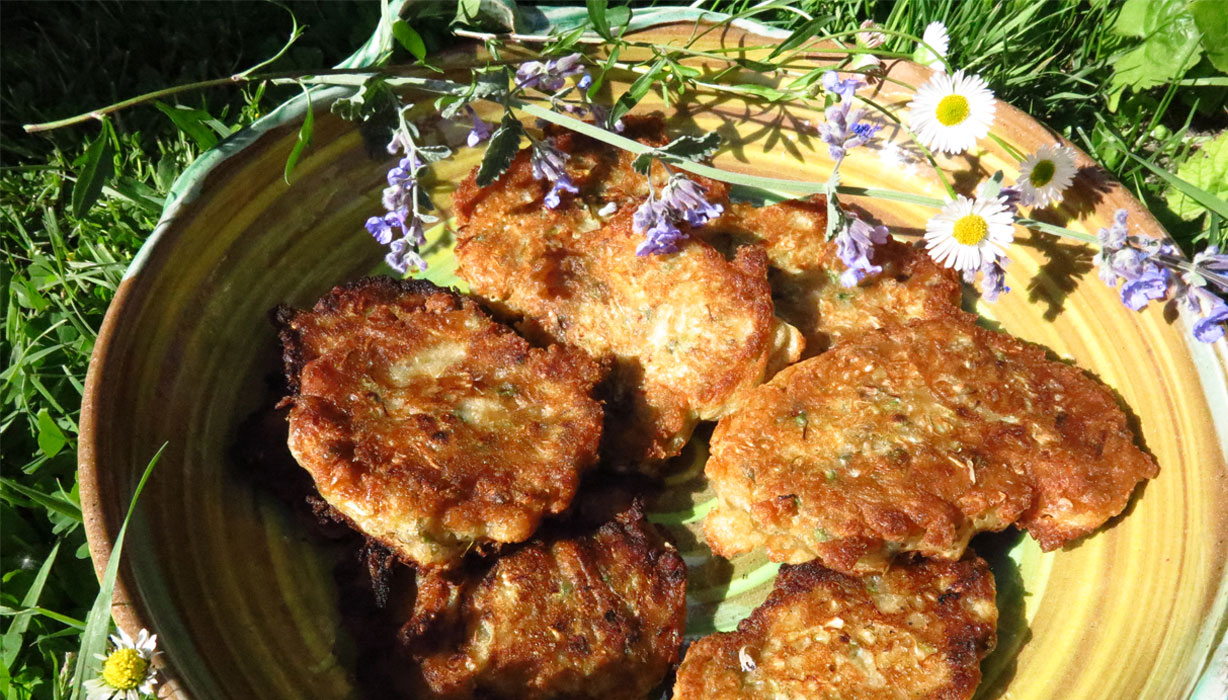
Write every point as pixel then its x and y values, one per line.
pixel 243 598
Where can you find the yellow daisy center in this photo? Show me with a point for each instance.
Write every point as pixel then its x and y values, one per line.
pixel 124 669
pixel 971 229
pixel 952 110
pixel 1042 173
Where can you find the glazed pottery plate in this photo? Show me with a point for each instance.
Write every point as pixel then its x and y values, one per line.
pixel 243 597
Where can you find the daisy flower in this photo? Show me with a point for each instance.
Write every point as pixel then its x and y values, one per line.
pixel 935 36
pixel 950 112
pixel 1046 174
pixel 970 232
pixel 127 672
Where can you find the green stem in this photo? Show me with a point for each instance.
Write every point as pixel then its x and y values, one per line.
pixel 1014 152
pixel 200 85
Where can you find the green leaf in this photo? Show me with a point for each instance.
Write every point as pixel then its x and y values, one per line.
pixel 191 122
pixel 374 99
pixel 98 622
pixel 492 15
pixel 619 17
pixel 1131 18
pixel 1171 44
pixel 96 171
pixel 636 91
pixel 597 15
pixel 763 91
pixel 503 146
pixel 1211 18
pixel 409 38
pixel 10 644
pixel 50 438
pixel 304 137
pixel 800 36
pixel 1206 170
pixel 693 148
pixel 432 154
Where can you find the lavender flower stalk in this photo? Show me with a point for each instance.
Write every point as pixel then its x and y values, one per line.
pixel 1209 270
pixel 1142 266
pixel 681 201
pixel 1133 261
pixel 855 246
pixel 480 131
pixel 549 164
pixel 549 76
pixel 844 129
pixel 402 228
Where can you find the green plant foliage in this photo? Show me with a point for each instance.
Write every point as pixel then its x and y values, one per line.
pixel 1206 170
pixel 503 146
pixel 1171 43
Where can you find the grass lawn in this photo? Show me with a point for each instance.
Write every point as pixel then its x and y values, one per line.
pixel 1096 72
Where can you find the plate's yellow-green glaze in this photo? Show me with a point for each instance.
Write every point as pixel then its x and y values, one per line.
pixel 244 603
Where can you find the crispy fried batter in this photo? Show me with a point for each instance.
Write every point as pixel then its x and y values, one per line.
pixel 916 438
pixel 687 333
pixel 598 615
pixel 918 631
pixel 805 275
pixel 430 426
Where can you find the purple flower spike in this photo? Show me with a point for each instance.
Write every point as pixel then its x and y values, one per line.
pixel 401 257
pixel 1210 328
pixel 480 131
pixel 661 235
pixel 993 279
pixel 585 82
pixel 562 184
pixel 380 229
pixel 855 246
pixel 844 130
pixel 1152 284
pixel 844 88
pixel 685 200
pixel 681 201
pixel 550 76
pixel 549 164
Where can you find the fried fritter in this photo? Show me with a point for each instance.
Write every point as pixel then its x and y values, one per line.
pixel 919 630
pixel 428 425
pixel 805 275
pixel 597 615
pixel 916 438
pixel 688 333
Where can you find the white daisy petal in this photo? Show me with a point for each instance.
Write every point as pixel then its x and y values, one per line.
pixel 935 36
pixel 950 112
pixel 967 233
pixel 1045 175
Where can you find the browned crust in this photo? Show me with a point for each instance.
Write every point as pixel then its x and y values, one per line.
pixel 806 270
pixel 915 438
pixel 430 427
pixel 596 615
pixel 686 333
pixel 931 646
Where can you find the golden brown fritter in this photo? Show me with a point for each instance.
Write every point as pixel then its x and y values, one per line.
pixel 597 615
pixel 428 425
pixel 915 438
pixel 687 333
pixel 805 275
pixel 919 630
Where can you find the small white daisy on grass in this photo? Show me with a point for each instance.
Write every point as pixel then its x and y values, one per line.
pixel 970 232
pixel 1046 174
pixel 950 112
pixel 935 36
pixel 127 672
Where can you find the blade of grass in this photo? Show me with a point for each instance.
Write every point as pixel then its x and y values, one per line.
pixel 17 628
pixel 98 622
